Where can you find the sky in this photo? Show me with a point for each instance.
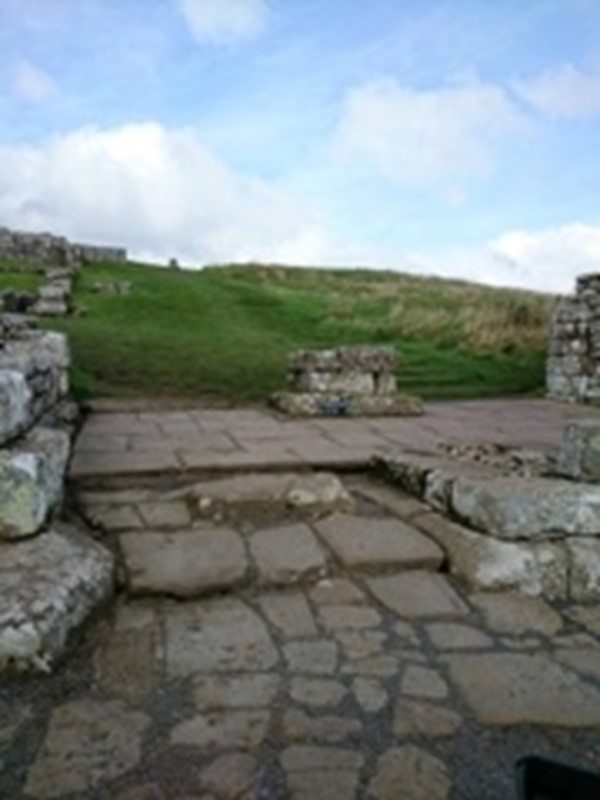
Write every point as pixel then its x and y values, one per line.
pixel 450 137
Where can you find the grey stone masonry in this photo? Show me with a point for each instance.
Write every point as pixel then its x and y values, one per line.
pixel 47 249
pixel 573 368
pixel 579 456
pixel 345 381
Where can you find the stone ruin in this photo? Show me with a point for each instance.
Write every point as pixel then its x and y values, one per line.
pixel 59 260
pixel 51 575
pixel 346 381
pixel 537 531
pixel 49 250
pixel 573 369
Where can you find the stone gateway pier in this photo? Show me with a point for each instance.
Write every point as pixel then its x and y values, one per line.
pixel 573 370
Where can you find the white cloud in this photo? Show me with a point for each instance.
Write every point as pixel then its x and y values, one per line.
pixel 412 136
pixel 547 260
pixel 563 92
pixel 32 84
pixel 160 192
pixel 223 21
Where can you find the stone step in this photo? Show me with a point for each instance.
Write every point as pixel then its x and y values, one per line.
pixel 199 561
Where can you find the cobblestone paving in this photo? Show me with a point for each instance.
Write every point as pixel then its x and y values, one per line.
pixel 313 668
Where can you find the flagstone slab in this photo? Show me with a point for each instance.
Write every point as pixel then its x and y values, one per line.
pixel 221 635
pixel 286 554
pixel 413 595
pixel 361 542
pixel 524 689
pixel 185 563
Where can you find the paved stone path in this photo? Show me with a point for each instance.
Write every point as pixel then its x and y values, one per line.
pixel 147 442
pixel 318 653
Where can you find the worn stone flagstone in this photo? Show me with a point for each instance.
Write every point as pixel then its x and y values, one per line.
pixel 217 635
pixel 524 688
pixel 417 594
pixel 410 773
pixel 87 742
pixel 360 542
pixel 286 554
pixel 183 563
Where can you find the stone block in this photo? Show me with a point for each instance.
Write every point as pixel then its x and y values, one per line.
pixel 184 563
pixel 31 481
pixel 15 408
pixel 579 457
pixel 335 382
pixel 527 508
pixel 413 595
pixel 485 562
pixel 49 585
pixel 332 404
pixel 584 571
pixel 378 542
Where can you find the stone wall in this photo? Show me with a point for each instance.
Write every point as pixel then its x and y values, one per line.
pixel 573 369
pixel 536 533
pixel 345 381
pixel 51 576
pixel 47 249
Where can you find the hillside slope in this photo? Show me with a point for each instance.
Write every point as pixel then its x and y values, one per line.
pixel 225 332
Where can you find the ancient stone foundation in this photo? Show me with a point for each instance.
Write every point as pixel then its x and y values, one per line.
pixel 46 249
pixel 346 381
pixel 573 369
pixel 51 576
pixel 538 534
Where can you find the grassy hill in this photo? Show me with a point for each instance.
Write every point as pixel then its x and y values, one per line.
pixel 225 332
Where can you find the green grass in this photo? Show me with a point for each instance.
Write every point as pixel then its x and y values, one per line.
pixel 226 332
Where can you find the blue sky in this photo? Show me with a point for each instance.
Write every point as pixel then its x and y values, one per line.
pixel 454 137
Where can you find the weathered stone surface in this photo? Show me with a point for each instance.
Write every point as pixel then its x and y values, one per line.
pixel 415 718
pixel 230 776
pixel 48 249
pixel 409 773
pixel 518 508
pixel 321 773
pixel 274 494
pixel 87 742
pixel 370 694
pixel 584 660
pixel 417 594
pixel 31 481
pixel 510 612
pixel 318 692
pixel 290 613
pixel 287 554
pixel 48 586
pixel 584 573
pixel 588 616
pixel 423 682
pixel 359 644
pixel 488 563
pixel 317 657
pixel 523 688
pixel 216 692
pixel 579 456
pixel 299 727
pixel 163 514
pixel 336 618
pixel 383 666
pixel 217 636
pixel 15 398
pixel 336 592
pixel 232 730
pixel 183 563
pixel 377 542
pixel 126 659
pixel 455 636
pixel 327 404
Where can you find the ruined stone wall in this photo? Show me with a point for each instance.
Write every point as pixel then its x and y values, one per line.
pixel 47 249
pixel 51 576
pixel 573 369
